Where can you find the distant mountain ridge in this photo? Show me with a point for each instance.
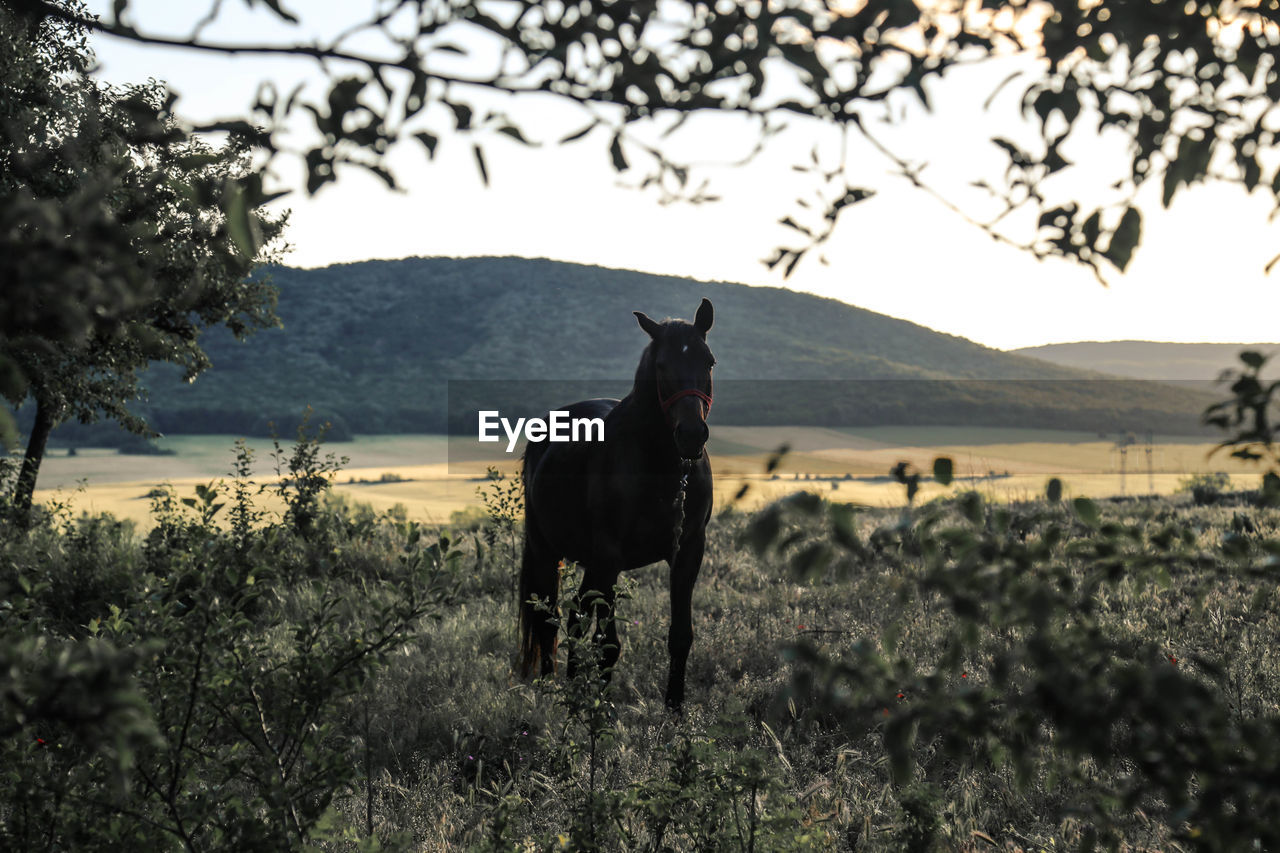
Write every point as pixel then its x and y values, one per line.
pixel 1148 359
pixel 376 346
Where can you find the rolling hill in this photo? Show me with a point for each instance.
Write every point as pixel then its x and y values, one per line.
pixel 1147 359
pixel 383 346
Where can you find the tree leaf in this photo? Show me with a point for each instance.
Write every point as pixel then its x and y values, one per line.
pixel 1253 358
pixel 461 115
pixel 241 224
pixel 516 134
pixel 615 151
pixel 791 264
pixel 774 259
pixel 429 142
pixel 1054 490
pixel 1092 228
pixel 898 743
pixel 775 458
pixel 8 431
pixel 791 223
pixel 1125 239
pixel 578 134
pixel 281 12
pixel 1016 154
pixel 1086 510
pixel 319 170
pixel 764 529
pixel 811 560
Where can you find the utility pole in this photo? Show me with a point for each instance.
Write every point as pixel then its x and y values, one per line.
pixel 1122 444
pixel 1151 471
pixel 1124 456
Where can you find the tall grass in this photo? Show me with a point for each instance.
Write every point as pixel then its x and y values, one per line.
pixel 957 675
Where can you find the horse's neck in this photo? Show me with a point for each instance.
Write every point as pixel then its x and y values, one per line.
pixel 645 406
pixel 647 423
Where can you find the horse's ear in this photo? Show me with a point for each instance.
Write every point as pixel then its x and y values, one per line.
pixel 705 317
pixel 652 327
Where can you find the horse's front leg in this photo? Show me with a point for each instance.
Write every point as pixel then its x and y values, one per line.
pixel 684 574
pixel 594 606
pixel 607 629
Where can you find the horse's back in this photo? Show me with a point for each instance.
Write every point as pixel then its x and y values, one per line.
pixel 564 456
pixel 556 472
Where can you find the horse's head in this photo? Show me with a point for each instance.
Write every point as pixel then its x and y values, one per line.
pixel 681 366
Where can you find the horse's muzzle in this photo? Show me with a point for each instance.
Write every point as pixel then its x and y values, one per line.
pixel 691 437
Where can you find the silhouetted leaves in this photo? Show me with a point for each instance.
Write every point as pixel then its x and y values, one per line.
pixel 615 151
pixel 429 142
pixel 1125 238
pixel 907 476
pixel 1086 510
pixel 1053 491
pixel 1155 72
pixel 1253 358
pixel 517 134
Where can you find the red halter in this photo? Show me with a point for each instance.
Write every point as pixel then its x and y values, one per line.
pixel 688 392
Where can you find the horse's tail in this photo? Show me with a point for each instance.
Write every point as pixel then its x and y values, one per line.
pixel 539 579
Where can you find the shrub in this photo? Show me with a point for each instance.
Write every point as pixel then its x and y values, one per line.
pixel 192 691
pixel 1205 489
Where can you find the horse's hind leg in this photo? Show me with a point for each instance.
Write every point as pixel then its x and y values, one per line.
pixel 539 629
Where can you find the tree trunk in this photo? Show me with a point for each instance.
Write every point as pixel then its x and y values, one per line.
pixel 26 485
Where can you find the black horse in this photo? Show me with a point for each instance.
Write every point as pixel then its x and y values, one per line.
pixel 640 496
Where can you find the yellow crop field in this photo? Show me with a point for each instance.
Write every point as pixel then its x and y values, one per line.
pixel 432 477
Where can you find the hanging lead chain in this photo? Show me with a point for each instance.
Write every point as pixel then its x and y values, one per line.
pixel 685 466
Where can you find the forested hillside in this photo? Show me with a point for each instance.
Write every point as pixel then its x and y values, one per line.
pixel 377 346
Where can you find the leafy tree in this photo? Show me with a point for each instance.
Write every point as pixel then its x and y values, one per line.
pixel 1189 89
pixel 132 238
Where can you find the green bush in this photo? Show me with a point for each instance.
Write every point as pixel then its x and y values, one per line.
pixel 1205 489
pixel 197 690
pixel 1041 667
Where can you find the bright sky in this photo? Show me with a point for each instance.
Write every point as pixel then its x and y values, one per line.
pixel 1198 275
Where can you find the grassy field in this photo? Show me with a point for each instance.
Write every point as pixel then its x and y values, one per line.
pixel 963 676
pixel 436 479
